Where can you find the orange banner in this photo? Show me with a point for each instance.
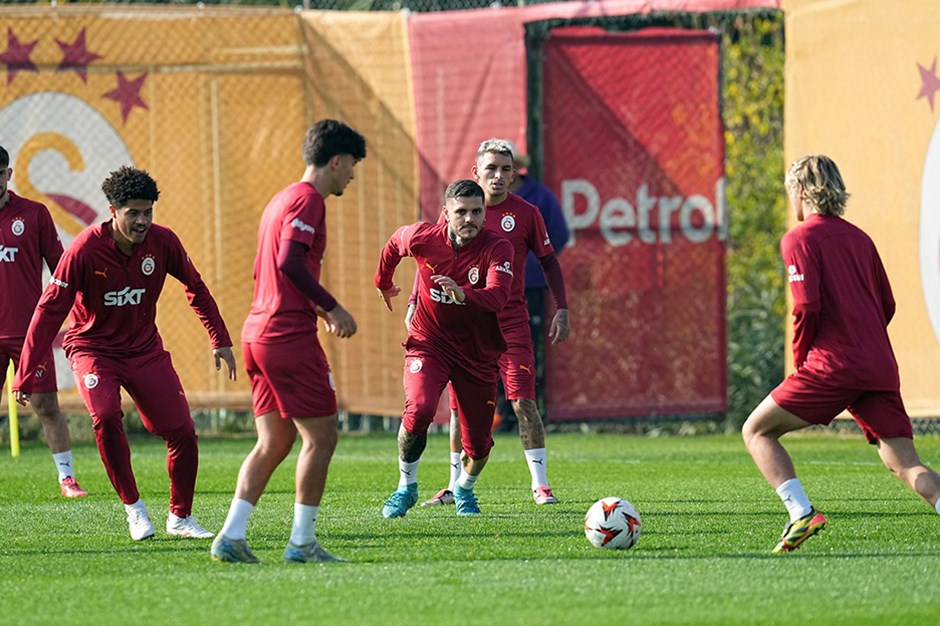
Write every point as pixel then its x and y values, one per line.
pixel 214 103
pixel 186 94
pixel 869 97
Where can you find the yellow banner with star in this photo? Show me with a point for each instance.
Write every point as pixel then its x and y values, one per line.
pixel 863 86
pixel 184 93
pixel 214 103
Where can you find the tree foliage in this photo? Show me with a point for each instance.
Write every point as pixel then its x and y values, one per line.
pixel 753 115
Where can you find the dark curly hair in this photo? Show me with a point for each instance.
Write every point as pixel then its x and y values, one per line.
pixel 328 138
pixel 4 158
pixel 129 183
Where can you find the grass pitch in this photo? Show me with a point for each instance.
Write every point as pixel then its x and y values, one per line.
pixel 709 523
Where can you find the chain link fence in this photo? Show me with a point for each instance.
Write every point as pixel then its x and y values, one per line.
pixel 177 112
pixel 424 6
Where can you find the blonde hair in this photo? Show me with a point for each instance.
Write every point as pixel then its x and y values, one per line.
pixel 822 183
pixel 495 146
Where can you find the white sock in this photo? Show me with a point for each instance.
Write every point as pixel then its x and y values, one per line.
pixel 304 529
pixel 536 459
pixel 455 467
pixel 236 523
pixel 63 463
pixel 794 498
pixel 466 481
pixel 937 505
pixel 137 505
pixel 407 473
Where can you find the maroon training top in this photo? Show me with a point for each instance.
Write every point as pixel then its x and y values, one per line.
pixel 482 268
pixel 842 304
pixel 111 298
pixel 279 310
pixel 27 238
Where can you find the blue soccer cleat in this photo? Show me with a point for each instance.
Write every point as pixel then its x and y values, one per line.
pixel 466 502
pixel 311 552
pixel 231 550
pixel 400 501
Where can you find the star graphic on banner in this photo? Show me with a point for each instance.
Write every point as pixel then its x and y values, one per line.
pixel 16 56
pixel 127 93
pixel 76 56
pixel 930 82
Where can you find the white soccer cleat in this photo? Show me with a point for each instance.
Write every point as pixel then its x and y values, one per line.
pixel 444 496
pixel 186 527
pixel 138 519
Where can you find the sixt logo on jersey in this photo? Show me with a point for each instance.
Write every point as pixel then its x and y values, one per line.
pixel 301 225
pixel 124 297
pixel 8 255
pixel 505 267
pixel 443 298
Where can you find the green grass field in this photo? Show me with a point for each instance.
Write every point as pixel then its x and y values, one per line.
pixel 709 523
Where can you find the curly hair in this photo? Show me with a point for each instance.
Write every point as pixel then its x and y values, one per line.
pixel 4 158
pixel 129 183
pixel 823 187
pixel 329 138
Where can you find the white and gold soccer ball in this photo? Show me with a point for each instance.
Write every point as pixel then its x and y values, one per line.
pixel 612 523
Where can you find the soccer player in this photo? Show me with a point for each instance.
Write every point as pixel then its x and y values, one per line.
pixel 521 223
pixel 842 304
pixel 27 238
pixel 464 278
pixel 537 194
pixel 108 282
pixel 291 384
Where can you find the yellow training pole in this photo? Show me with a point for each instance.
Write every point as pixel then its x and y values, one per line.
pixel 14 418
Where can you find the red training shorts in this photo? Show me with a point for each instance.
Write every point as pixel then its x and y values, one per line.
pixel 45 380
pixel 517 364
pixel 880 414
pixel 293 378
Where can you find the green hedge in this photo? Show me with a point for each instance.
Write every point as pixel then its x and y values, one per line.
pixel 753 115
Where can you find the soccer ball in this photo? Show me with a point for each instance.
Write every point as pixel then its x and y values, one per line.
pixel 612 523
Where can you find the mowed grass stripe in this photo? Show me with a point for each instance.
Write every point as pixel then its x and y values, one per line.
pixel 709 522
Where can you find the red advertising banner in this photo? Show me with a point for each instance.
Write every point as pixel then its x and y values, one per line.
pixel 633 146
pixel 469 75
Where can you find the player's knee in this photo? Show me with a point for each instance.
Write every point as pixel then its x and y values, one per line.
pixel 527 410
pixel 323 443
pixel 46 406
pixel 478 448
pixel 276 450
pixel 108 421
pixel 182 435
pixel 749 430
pixel 419 417
pixel 899 456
